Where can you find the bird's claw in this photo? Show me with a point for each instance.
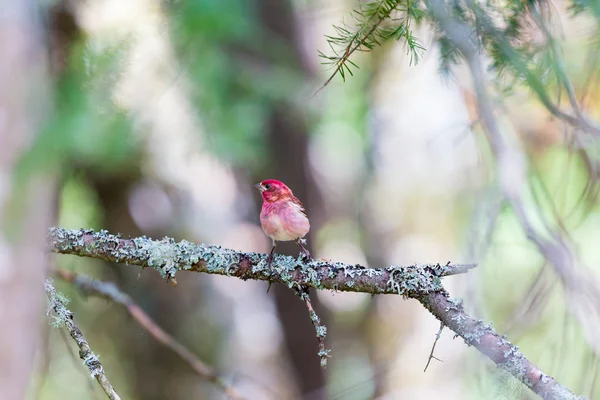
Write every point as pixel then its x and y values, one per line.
pixel 269 261
pixel 306 255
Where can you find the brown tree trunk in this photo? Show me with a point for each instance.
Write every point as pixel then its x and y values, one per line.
pixel 288 135
pixel 26 205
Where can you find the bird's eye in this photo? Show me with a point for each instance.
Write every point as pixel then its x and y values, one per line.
pixel 268 186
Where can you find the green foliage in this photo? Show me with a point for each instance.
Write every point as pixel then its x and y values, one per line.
pixel 226 52
pixel 583 6
pixel 85 125
pixel 374 23
pixel 449 55
pixel 508 32
pixel 79 204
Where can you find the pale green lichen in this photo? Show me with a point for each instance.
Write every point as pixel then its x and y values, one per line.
pixel 456 304
pixel 324 355
pixel 413 279
pixel 57 311
pixel 312 277
pixel 61 316
pixel 321 331
pixel 402 283
pixel 189 253
pixel 92 362
pixel 219 260
pixel 371 272
pixel 355 271
pixel 331 273
pixel 168 257
pixel 479 330
pixel 284 266
pixel 349 270
pixel 261 266
pixel 459 318
pixel 394 283
pixel 162 256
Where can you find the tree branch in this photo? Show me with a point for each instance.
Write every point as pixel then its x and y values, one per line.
pixel 580 284
pixel 506 355
pixel 64 316
pixel 421 282
pixel 110 291
pixel 167 257
pixel 431 356
pixel 320 330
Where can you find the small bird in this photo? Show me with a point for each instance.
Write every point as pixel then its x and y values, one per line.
pixel 282 216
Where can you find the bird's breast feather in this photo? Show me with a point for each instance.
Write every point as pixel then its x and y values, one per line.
pixel 284 221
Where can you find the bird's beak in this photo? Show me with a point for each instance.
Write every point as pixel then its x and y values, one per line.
pixel 259 187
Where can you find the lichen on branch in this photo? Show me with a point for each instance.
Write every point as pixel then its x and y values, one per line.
pixel 168 257
pixel 61 316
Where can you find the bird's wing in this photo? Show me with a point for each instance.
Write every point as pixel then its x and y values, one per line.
pixel 297 204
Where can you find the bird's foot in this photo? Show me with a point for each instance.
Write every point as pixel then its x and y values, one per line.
pixel 305 252
pixel 269 261
pixel 306 255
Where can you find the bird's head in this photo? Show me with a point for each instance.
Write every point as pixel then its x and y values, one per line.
pixel 273 190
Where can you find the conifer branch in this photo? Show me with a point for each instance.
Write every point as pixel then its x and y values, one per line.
pixel 369 31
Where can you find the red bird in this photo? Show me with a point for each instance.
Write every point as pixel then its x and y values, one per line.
pixel 282 216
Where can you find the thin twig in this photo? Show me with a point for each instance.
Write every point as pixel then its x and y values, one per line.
pixel 65 317
pixel 349 50
pixel 431 356
pixel 111 292
pixel 347 53
pixel 321 330
pixel 497 348
pixel 73 357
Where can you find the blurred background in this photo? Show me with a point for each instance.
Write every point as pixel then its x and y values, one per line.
pixel 155 118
